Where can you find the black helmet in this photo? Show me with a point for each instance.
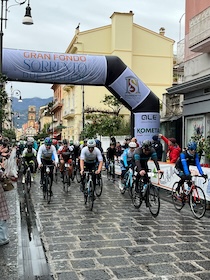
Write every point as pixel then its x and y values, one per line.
pixel 146 144
pixel 65 142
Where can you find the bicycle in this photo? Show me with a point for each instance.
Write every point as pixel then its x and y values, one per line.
pixel 89 189
pixel 77 171
pixel 55 174
pixel 128 181
pixel 28 175
pixel 191 193
pixel 148 193
pixel 47 182
pixel 66 177
pixel 111 170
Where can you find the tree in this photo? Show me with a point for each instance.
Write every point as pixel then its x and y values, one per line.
pixel 9 133
pixel 3 100
pixel 105 122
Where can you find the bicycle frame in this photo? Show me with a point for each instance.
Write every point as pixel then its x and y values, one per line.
pixel 89 188
pixel 195 196
pixel 47 182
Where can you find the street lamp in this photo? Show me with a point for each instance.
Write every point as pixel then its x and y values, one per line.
pixel 3 18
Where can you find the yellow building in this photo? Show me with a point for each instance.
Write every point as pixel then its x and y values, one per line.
pixel 148 54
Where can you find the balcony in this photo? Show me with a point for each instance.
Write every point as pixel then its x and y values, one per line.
pixel 199 35
pixel 69 114
pixel 57 106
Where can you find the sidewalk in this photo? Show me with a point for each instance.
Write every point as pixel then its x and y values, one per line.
pixel 11 254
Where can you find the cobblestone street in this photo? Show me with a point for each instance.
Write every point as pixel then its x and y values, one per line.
pixel 117 241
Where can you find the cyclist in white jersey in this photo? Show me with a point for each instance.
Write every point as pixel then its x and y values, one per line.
pixel 44 157
pixel 90 159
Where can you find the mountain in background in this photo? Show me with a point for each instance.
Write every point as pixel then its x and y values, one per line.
pixel 21 108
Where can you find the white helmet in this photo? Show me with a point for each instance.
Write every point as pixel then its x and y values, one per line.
pixel 132 145
pixel 91 143
pixel 30 139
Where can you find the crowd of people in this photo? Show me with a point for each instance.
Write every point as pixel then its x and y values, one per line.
pixel 91 156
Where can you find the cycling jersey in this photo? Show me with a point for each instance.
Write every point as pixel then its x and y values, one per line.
pixel 141 159
pixel 91 157
pixel 46 154
pixel 27 154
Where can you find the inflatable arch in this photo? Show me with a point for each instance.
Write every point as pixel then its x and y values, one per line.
pixel 82 69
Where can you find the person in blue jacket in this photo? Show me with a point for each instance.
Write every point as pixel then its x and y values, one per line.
pixel 187 158
pixel 126 161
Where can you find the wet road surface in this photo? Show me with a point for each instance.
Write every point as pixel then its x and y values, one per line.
pixel 117 241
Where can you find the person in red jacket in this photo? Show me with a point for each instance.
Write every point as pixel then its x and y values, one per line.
pixel 173 148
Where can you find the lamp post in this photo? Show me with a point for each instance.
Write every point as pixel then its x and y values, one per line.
pixel 27 20
pixel 83 108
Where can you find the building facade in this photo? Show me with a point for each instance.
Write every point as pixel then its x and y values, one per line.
pixel 147 53
pixel 196 82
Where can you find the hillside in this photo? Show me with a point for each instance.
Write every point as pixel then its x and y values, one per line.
pixel 22 108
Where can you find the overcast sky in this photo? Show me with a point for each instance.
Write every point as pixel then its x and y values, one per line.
pixel 55 22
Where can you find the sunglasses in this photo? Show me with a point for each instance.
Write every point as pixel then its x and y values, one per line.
pixel 48 145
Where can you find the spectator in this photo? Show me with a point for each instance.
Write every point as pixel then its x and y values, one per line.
pixel 118 150
pixel 4 216
pixel 135 140
pixel 125 143
pixel 156 144
pixel 173 148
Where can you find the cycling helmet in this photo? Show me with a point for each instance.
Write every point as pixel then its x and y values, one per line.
pixel 65 142
pixel 192 146
pixel 146 144
pixel 55 142
pixel 48 141
pixel 29 145
pixel 91 143
pixel 71 142
pixel 30 139
pixel 132 145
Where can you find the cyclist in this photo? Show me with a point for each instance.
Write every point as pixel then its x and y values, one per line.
pixel 126 161
pixel 187 158
pixel 65 153
pixel 34 143
pixel 141 157
pixel 90 159
pixel 44 157
pixel 29 156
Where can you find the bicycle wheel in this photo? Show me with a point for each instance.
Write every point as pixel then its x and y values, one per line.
pixel 28 181
pixel 66 181
pixel 78 175
pixel 90 197
pixel 153 200
pixel 44 187
pixel 49 189
pixel 55 177
pixel 73 174
pixel 99 185
pixel 137 195
pixel 177 197
pixel 130 189
pixel 198 202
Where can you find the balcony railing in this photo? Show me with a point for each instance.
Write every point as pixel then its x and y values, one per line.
pixel 199 35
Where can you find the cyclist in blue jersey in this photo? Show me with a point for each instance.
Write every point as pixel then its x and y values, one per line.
pixel 187 158
pixel 126 161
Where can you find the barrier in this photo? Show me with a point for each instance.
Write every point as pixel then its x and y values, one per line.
pixel 170 176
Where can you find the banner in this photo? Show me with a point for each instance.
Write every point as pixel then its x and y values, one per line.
pixel 146 125
pixel 47 67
